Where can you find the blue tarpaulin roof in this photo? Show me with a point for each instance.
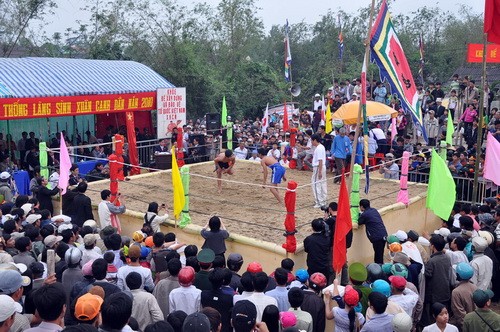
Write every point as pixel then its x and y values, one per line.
pixel 52 77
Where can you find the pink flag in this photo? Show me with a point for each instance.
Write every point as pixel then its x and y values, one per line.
pixel 491 169
pixel 394 129
pixel 64 166
pixel 403 196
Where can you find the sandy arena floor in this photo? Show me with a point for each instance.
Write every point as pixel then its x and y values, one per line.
pixel 245 209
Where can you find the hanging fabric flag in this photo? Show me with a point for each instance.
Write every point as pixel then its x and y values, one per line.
pixel 178 189
pixel 342 228
pixel 286 127
pixel 64 166
pixel 394 130
pixel 223 118
pixel 185 217
pixel 441 192
pixel 288 56
pixel 365 125
pixel 491 169
pixel 355 193
pixel 450 129
pixel 421 50
pixel 230 135
pixel 341 42
pixel 290 199
pixel 44 171
pixel 403 196
pixel 328 119
pixel 388 54
pixel 491 22
pixel 265 120
pixel 132 144
pixel 180 146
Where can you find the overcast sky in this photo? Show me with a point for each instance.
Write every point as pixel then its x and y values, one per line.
pixel 274 11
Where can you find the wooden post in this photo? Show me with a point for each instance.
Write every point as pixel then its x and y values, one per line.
pixel 475 188
pixel 358 121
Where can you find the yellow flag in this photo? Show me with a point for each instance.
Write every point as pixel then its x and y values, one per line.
pixel 328 119
pixel 178 189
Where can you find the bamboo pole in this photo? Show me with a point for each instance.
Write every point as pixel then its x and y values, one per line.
pixel 475 188
pixel 358 121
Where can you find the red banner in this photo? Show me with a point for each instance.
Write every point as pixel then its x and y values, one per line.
pixel 132 144
pixel 43 107
pixel 475 53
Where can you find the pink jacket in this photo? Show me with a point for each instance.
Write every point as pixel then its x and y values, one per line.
pixel 469 115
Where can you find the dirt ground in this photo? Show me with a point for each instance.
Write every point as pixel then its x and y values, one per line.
pixel 245 208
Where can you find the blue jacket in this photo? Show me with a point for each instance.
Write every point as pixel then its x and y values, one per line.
pixel 341 147
pixel 375 228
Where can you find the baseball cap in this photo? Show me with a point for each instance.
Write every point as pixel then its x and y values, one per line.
pixel 287 319
pixel 63 227
pixel 392 239
pixel 357 272
pixel 11 281
pixel 254 267
pixel 317 95
pixel 134 251
pixel 235 258
pixel 88 307
pixel 60 217
pixel 4 175
pixel 244 315
pixel 402 322
pixel 87 268
pixel 479 243
pixel 51 240
pixel 37 268
pixel 480 297
pixel 401 235
pixel 389 155
pixel 27 208
pixel 398 282
pixel 302 275
pixel 438 100
pixel 138 236
pixel 196 322
pixel 90 223
pixel 401 257
pixel 7 307
pixel 90 239
pixel 32 218
pixel 149 242
pixel 206 256
pixel 106 231
pixel 444 232
pixel 351 296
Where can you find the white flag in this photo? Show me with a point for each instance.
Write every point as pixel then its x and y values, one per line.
pixel 265 120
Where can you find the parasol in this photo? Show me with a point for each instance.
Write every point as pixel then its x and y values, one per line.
pixel 375 111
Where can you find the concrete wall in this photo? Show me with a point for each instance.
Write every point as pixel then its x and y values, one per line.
pixel 396 216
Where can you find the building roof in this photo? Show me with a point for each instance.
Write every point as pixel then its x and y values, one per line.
pixel 52 77
pixel 475 72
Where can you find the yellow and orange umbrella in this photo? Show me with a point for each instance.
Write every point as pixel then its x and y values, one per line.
pixel 347 114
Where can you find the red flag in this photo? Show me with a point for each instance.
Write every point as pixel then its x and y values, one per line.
pixel 492 20
pixel 342 227
pixel 285 120
pixel 132 144
pixel 290 230
pixel 180 147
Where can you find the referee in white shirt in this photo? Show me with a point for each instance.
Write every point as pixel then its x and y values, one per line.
pixel 319 172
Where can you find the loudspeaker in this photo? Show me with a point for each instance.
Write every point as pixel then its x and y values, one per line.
pixel 213 121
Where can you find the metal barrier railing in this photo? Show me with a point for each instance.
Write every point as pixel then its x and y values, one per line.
pixel 464 187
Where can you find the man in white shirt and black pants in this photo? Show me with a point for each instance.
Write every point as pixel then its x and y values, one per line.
pixel 319 172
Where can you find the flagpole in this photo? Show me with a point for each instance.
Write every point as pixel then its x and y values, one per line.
pixel 358 121
pixel 475 189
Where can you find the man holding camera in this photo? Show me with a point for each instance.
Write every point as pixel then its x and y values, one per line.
pixel 108 211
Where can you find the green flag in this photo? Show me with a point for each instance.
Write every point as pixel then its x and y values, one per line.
pixel 355 193
pixel 441 192
pixel 185 217
pixel 449 130
pixel 44 171
pixel 223 119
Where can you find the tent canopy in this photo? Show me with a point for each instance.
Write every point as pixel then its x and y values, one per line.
pixel 51 77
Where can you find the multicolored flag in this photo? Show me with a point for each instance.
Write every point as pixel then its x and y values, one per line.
pixel 421 50
pixel 388 54
pixel 365 125
pixel 288 56
pixel 341 42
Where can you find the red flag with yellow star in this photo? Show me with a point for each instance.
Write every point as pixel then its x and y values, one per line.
pixel 132 144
